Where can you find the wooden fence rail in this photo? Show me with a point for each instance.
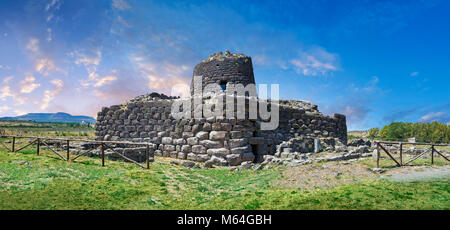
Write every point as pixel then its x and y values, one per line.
pixel 400 162
pixel 104 145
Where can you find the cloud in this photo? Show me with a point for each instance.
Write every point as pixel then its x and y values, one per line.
pixel 426 112
pixel 53 4
pixel 121 5
pixel 50 9
pixel 355 103
pixel 413 74
pixel 5 92
pixel 49 95
pixel 49 35
pixel 316 62
pixel 4 67
pixel 19 112
pixel 33 45
pixel 58 83
pixel 164 76
pixel 400 114
pixel 44 66
pixel 105 81
pixel 355 113
pixel 437 116
pixel 87 60
pixel 91 63
pixel 4 108
pixel 260 60
pixel 370 86
pixel 28 85
pixel 8 79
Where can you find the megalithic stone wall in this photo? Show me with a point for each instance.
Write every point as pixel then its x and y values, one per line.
pixel 220 140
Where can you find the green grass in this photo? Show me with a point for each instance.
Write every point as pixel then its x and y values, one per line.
pixel 29 128
pixel 28 181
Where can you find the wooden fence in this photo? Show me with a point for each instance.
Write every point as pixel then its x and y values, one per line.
pixel 400 162
pixel 103 145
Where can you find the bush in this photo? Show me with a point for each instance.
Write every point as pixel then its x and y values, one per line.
pixel 374 132
pixel 435 132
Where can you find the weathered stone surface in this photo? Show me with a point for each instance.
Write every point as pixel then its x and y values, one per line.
pixel 233 143
pixel 217 135
pixel 211 144
pixel 203 157
pixel 218 160
pixel 188 164
pixel 185 148
pixel 209 164
pixel 192 140
pixel 222 152
pixel 234 159
pixel 147 118
pixel 191 156
pixel 166 140
pixel 202 135
pixel 248 156
pixel 199 149
pixel 182 155
pixel 241 150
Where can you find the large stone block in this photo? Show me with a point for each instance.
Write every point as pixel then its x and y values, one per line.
pixel 200 149
pixel 169 147
pixel 248 156
pixel 234 159
pixel 202 135
pixel 241 150
pixel 186 148
pixel 166 140
pixel 192 141
pixel 233 143
pixel 192 157
pixel 211 144
pixel 182 155
pixel 217 135
pixel 203 157
pixel 222 152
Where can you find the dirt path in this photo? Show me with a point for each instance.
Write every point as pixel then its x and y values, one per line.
pixel 407 174
pixel 325 175
pixel 333 174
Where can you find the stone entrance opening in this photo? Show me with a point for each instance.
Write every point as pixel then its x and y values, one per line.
pixel 255 152
pixel 223 85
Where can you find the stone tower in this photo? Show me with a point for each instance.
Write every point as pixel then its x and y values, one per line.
pixel 224 69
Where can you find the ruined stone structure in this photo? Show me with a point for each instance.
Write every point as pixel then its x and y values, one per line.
pixel 225 69
pixel 218 140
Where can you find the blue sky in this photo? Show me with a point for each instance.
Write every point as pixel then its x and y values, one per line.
pixel 374 61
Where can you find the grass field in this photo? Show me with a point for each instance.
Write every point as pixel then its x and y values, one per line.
pixel 29 128
pixel 28 181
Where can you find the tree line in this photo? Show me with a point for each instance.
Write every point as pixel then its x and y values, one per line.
pixel 435 132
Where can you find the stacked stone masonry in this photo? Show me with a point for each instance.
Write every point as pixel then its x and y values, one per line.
pixel 219 140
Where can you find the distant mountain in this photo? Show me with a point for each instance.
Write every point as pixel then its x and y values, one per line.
pixel 52 117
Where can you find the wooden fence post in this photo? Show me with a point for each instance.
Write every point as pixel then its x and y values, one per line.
pixel 378 155
pixel 432 154
pixel 13 144
pixel 37 147
pixel 68 150
pixel 401 153
pixel 103 155
pixel 147 155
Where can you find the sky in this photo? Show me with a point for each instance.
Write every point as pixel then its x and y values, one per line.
pixel 374 61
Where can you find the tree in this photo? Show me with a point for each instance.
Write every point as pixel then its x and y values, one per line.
pixel 436 132
pixel 374 132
